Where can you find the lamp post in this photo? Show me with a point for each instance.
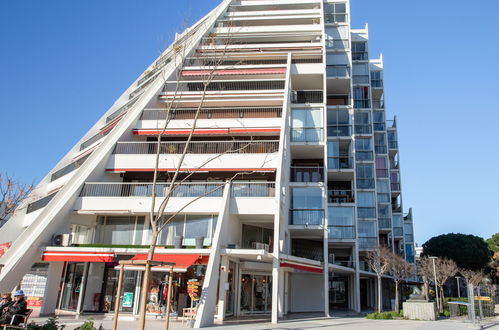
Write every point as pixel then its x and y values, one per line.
pixel 458 288
pixel 436 283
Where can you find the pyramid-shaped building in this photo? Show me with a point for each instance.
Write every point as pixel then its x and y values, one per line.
pixel 269 118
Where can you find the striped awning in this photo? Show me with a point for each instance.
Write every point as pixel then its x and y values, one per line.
pixel 78 256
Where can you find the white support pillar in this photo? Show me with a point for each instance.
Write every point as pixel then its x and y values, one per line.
pixel 208 299
pixel 356 281
pixel 51 293
pixel 222 289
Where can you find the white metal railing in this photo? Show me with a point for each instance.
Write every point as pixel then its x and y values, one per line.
pixel 197 147
pixel 253 189
pixel 133 189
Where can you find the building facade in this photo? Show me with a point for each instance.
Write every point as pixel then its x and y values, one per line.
pixel 291 175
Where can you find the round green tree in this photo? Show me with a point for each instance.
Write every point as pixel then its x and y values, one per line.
pixel 468 251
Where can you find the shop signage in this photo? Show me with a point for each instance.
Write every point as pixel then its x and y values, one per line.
pixel 127 299
pixel 3 248
pixel 193 289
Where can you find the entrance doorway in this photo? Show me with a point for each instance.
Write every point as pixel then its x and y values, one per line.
pixel 110 285
pixel 72 286
pixel 338 292
pixel 256 294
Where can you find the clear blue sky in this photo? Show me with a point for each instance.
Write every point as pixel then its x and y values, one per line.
pixel 63 63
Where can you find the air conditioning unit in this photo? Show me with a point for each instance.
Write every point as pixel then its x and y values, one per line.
pixel 61 240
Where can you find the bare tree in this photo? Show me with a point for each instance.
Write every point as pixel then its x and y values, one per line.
pixel 425 270
pixel 445 268
pixel 400 270
pixel 379 260
pixel 472 277
pixel 12 193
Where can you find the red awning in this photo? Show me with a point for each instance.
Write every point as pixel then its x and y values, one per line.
pixel 187 73
pixel 78 256
pixel 182 261
pixel 307 268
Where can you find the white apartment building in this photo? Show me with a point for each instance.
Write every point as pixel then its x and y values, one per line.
pixel 292 149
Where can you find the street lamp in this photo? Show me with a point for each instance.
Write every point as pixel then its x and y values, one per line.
pixel 436 286
pixel 458 288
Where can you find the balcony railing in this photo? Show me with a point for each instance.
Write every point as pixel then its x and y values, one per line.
pixel 338 71
pixel 380 149
pixel 121 189
pixel 377 104
pixel 253 189
pixel 41 203
pixel 376 83
pixel 338 196
pixel 339 130
pixel 367 243
pixel 379 126
pixel 359 56
pixel 397 208
pixel 121 110
pixel 363 129
pixel 68 168
pixel 94 139
pixel 398 231
pixel 395 186
pixel 366 212
pixel 212 113
pixel 335 18
pixel 310 96
pixel 361 103
pixel 341 232
pixel 393 144
pixel 363 183
pixel 197 147
pixel 225 86
pixel 340 162
pixel 343 263
pixel 309 217
pixel 306 134
pixel 307 174
pixel 385 223
pixel 337 44
pixel 381 173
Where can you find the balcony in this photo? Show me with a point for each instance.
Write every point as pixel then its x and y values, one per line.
pixel 395 186
pixel 381 173
pixel 211 113
pixel 229 85
pixel 385 223
pixel 39 204
pixel 338 100
pixel 307 217
pixel 307 174
pixel 197 147
pixel 339 130
pixel 337 44
pixel 367 243
pixel 339 196
pixel 378 104
pixel 361 103
pixel 377 83
pixel 68 168
pixel 379 127
pixel 396 208
pixel 306 134
pixel 359 56
pixel 305 97
pixel 341 232
pixel 253 189
pixel 335 18
pixel 337 71
pixel 398 232
pixel 393 144
pixel 121 189
pixel 340 163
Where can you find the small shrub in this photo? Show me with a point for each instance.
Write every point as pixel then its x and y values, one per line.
pixel 51 324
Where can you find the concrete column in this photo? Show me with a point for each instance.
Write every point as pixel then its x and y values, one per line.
pixel 208 299
pixel 224 272
pixel 51 294
pixel 356 281
pixel 277 291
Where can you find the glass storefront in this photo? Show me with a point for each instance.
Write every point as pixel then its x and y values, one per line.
pixel 110 287
pixel 338 292
pixel 256 294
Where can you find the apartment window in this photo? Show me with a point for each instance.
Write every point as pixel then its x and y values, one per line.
pixel 307 207
pixel 363 149
pixel 380 143
pixel 306 125
pixel 335 12
pixel 408 233
pixel 251 235
pixel 379 120
pixel 190 227
pixel 120 230
pixel 397 221
pixel 392 140
pixel 361 97
pixel 366 204
pixel 376 80
pixel 341 222
pixel 338 123
pixel 395 181
pixel 362 122
pixel 338 155
pixel 359 51
pixel 383 189
pixel 360 73
pixel 381 167
pixel 367 235
pixel 337 37
pixel 365 176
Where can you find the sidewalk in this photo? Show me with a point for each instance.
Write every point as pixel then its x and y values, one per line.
pixel 339 323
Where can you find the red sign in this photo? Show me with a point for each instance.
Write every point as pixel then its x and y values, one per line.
pixel 34 302
pixel 3 248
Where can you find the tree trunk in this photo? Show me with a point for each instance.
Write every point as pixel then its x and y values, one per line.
pixel 397 308
pixel 380 307
pixel 145 279
pixel 441 299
